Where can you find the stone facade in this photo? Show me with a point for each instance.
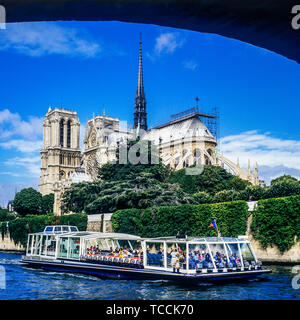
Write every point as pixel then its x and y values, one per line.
pixel 61 153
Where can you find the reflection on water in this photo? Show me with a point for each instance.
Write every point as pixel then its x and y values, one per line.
pixel 27 283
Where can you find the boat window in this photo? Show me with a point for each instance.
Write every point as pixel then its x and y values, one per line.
pixel 37 245
pixel 246 253
pixel 176 251
pixel 135 244
pixel 57 229
pixel 199 257
pixel 219 254
pixel 51 245
pixel 124 244
pixel 49 229
pixel 155 254
pixel 63 248
pixel 65 229
pixel 74 229
pixel 74 248
pixel 44 248
pixel 234 255
pixel 29 244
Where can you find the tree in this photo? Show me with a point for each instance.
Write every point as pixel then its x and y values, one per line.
pixel 5 215
pixel 213 179
pixel 282 189
pixel 223 196
pixel 127 185
pixel 285 179
pixel 202 197
pixel 124 168
pixel 27 201
pixel 47 203
pixel 239 184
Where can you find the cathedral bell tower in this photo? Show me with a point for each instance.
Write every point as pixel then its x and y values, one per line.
pixel 60 153
pixel 140 114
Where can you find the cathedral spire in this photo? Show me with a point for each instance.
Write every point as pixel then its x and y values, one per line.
pixel 140 115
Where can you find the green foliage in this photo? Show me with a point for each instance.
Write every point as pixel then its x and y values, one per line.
pixel 79 220
pixel 187 219
pixel 47 203
pixel 142 192
pixel 27 201
pixel 202 197
pixel 223 196
pixel 124 169
pixel 277 222
pixel 5 215
pixel 284 178
pixel 282 189
pixel 20 227
pixel 239 184
pixel 213 179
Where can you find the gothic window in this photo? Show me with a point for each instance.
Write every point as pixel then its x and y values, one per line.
pixel 61 132
pixel 61 159
pixel 69 159
pixel 197 156
pixel 210 152
pixel 207 161
pixel 69 134
pixel 62 175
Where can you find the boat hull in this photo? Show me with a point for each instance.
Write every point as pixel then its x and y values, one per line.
pixel 116 272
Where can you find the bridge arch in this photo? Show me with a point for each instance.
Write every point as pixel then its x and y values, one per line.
pixel 263 23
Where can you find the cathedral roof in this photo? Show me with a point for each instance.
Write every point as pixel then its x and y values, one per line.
pixel 183 128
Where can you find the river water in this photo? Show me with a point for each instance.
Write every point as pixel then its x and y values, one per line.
pixel 18 283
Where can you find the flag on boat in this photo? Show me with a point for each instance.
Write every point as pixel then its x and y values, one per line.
pixel 213 224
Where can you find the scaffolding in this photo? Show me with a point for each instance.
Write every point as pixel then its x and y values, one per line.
pixel 211 120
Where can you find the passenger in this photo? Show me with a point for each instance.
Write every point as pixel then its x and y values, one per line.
pixel 177 263
pixel 173 258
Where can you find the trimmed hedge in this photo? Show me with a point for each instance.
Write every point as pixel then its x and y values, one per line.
pixel 277 222
pixel 192 220
pixel 19 228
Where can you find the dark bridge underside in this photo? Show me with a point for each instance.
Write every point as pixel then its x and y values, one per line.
pixel 263 23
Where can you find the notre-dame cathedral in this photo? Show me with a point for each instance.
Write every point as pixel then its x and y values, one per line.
pixel 183 141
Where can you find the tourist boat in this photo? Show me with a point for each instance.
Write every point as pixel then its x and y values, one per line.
pixel 124 256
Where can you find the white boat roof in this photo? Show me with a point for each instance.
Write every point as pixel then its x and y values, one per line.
pixel 97 235
pixel 196 239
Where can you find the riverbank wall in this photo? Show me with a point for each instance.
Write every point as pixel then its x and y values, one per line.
pixel 7 244
pixel 102 223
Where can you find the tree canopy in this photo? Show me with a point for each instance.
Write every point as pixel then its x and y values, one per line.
pixel 125 184
pixel 27 201
pixel 212 180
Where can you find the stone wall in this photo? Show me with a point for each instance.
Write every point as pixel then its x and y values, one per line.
pixel 100 223
pixel 7 244
pixel 272 254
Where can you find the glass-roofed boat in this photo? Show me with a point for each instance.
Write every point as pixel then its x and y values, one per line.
pixel 124 256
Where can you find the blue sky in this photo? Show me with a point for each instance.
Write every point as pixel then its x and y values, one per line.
pixel 89 66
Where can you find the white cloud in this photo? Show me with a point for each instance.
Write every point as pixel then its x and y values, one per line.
pixel 167 43
pixel 46 38
pixel 267 151
pixel 192 65
pixel 11 124
pixel 22 145
pixel 31 165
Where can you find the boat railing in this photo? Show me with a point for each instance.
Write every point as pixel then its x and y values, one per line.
pixel 113 259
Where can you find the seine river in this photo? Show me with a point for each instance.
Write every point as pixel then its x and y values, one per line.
pixel 32 284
